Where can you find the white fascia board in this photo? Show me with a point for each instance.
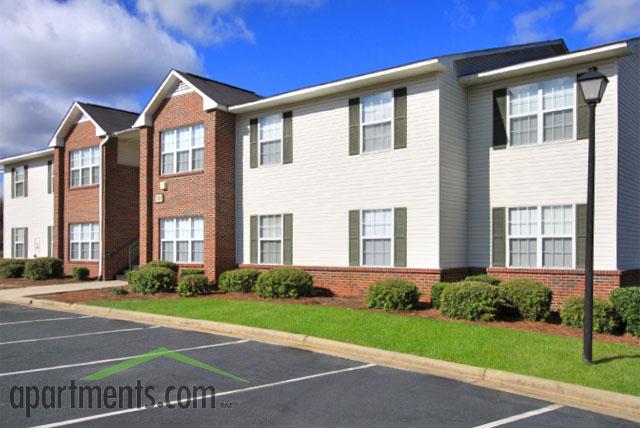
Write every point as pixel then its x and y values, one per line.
pixel 146 117
pixel 27 156
pixel 72 116
pixel 351 83
pixel 575 58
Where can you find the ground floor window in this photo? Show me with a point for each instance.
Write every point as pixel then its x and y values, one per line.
pixel 19 243
pixel 182 239
pixel 271 239
pixel 377 234
pixel 84 241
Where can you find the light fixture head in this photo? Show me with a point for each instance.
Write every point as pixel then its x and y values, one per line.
pixel 592 84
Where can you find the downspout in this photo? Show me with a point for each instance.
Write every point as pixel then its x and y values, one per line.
pixel 100 203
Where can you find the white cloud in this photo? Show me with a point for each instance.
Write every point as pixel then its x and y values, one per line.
pixel 606 20
pixel 531 26
pixel 53 53
pixel 460 16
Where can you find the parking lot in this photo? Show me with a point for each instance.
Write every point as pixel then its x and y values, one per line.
pixel 42 351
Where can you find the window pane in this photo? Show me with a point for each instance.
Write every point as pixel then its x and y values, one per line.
pixel 95 232
pixel 376 223
pixel 377 252
pixel 75 232
pixel 183 228
pixel 524 130
pixel 523 100
pixel 75 177
pixel 197 252
pixel 376 108
pixel 270 152
pixel 95 173
pixel 197 159
pixel 20 189
pixel 557 94
pixel 86 232
pixel 182 253
pixel 557 220
pixel 94 250
pixel 376 137
pixel 270 252
pixel 270 226
pixel 75 159
pixel 75 251
pixel 167 229
pixel 19 173
pixel 271 127
pixel 166 251
pixel 558 125
pixel 168 141
pixel 184 138
pixel 167 163
pixel 198 229
pixel 198 136
pixel 86 157
pixel 86 176
pixel 523 221
pixel 183 161
pixel 95 155
pixel 19 235
pixel 523 252
pixel 85 251
pixel 557 252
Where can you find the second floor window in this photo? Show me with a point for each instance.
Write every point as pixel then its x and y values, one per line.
pixel 18 182
pixel 182 149
pixel 85 166
pixel 377 115
pixel 270 139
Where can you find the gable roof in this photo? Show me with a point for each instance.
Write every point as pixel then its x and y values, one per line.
pixel 107 120
pixel 221 92
pixel 42 153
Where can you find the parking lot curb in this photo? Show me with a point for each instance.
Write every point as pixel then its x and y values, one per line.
pixel 606 402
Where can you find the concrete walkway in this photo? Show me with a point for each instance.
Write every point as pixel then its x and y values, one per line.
pixel 58 288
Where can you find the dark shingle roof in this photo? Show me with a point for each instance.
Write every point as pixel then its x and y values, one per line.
pixel 221 92
pixel 110 119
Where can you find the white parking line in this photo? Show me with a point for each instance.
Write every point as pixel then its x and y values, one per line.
pixel 90 363
pixel 93 333
pixel 524 415
pixel 220 394
pixel 45 319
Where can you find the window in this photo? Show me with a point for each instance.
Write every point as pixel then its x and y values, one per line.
pixel 271 239
pixel 85 166
pixel 270 139
pixel 18 182
pixel 182 239
pixel 557 236
pixel 85 241
pixel 541 113
pixel 182 149
pixel 19 243
pixel 377 233
pixel 377 114
pixel 523 232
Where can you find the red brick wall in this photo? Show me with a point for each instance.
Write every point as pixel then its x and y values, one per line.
pixel 209 193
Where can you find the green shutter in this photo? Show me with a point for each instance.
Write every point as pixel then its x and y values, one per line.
pixel 287 241
pixel 26 181
pixel 253 239
pixel 13 242
pixel 498 239
pixel 400 118
pixel 354 126
pixel 581 235
pixel 287 137
pixel 253 143
pixel 582 116
pixel 49 176
pixel 400 237
pixel 26 243
pixel 13 184
pixel 500 118
pixel 49 240
pixel 354 238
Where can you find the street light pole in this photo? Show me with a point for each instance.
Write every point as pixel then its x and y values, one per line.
pixel 588 264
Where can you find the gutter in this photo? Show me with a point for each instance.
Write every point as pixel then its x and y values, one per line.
pixel 100 204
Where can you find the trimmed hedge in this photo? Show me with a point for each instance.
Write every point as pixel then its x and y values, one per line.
pixel 43 268
pixel 161 263
pixel 626 302
pixel 190 271
pixel 193 285
pixel 151 280
pixel 81 273
pixel 436 293
pixel 529 299
pixel 392 295
pixel 605 319
pixel 284 282
pixel 240 280
pixel 11 268
pixel 484 278
pixel 470 300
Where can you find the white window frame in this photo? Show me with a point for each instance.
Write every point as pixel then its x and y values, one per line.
pixel 260 141
pixel 15 243
pixel 81 167
pixel 81 241
pixel 190 240
pixel 540 113
pixel 15 181
pixel 362 124
pixel 281 240
pixel 539 237
pixel 390 237
pixel 174 152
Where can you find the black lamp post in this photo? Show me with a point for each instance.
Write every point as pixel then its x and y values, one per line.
pixel 592 84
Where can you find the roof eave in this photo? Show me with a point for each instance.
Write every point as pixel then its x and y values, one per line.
pixel 537 66
pixel 27 156
pixel 348 84
pixel 58 138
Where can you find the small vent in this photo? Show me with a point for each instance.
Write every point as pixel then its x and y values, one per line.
pixel 179 88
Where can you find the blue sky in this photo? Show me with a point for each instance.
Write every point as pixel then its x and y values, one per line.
pixel 117 52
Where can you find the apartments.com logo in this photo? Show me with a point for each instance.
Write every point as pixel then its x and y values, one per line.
pixel 30 397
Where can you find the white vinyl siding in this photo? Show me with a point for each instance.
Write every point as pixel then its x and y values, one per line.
pixel 377 122
pixel 85 166
pixel 270 239
pixel 19 240
pixel 182 150
pixel 18 182
pixel 182 239
pixel 377 237
pixel 84 241
pixel 270 139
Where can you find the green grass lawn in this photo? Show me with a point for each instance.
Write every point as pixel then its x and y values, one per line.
pixel 617 366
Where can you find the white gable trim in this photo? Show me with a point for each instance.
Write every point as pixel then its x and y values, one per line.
pixel 75 114
pixel 145 118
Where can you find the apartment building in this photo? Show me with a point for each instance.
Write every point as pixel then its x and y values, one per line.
pixel 28 205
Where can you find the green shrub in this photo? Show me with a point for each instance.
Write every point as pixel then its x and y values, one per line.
pixel 436 293
pixel 81 273
pixel 284 282
pixel 190 271
pixel 43 268
pixel 470 300
pixel 152 280
pixel 483 278
pixel 392 295
pixel 11 268
pixel 529 299
pixel 241 280
pixel 162 263
pixel 626 302
pixel 605 319
pixel 193 285
pixel 120 291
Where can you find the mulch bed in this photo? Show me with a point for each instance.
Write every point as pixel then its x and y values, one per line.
pixel 6 283
pixel 552 327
